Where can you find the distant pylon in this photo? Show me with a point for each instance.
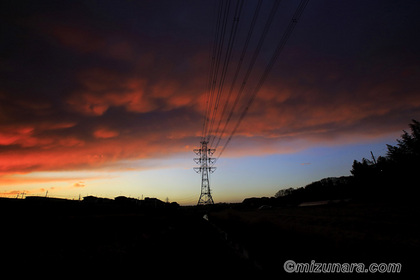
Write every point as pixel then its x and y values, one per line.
pixel 205 160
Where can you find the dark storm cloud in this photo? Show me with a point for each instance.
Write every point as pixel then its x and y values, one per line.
pixel 85 83
pixel 353 68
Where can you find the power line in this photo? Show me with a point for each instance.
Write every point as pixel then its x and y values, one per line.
pixel 235 77
pixel 217 52
pixel 226 62
pixel 212 67
pixel 251 65
pixel 269 67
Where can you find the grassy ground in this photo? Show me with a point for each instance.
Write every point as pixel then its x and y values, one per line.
pixel 350 232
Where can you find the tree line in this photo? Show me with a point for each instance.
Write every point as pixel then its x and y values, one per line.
pixel 393 176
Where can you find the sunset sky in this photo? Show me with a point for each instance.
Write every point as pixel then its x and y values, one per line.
pixel 107 98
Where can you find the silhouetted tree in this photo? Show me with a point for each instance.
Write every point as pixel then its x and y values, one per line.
pixel 362 169
pixel 284 192
pixel 394 174
pixel 408 147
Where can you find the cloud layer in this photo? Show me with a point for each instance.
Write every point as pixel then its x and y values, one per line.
pixel 84 85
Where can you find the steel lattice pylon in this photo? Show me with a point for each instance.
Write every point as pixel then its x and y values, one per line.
pixel 205 160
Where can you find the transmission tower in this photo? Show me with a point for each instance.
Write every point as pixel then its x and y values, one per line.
pixel 205 160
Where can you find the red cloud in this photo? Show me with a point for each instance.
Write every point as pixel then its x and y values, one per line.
pixel 15 136
pixel 286 116
pixel 313 111
pixel 103 89
pixel 89 155
pixel 28 136
pixel 105 133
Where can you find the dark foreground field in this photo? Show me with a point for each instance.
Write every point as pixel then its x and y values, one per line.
pixel 380 232
pixel 72 237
